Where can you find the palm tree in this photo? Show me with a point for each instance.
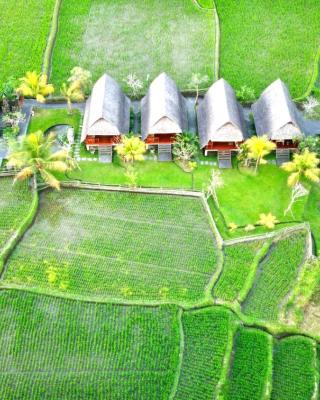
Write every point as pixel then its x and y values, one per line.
pixel 72 92
pixel 34 156
pixel 304 165
pixel 35 86
pixel 131 149
pixel 258 148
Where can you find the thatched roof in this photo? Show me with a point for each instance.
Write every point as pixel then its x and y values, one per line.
pixel 220 116
pixel 275 114
pixel 163 109
pixel 107 110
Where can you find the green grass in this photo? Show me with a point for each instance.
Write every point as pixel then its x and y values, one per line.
pixel 312 214
pixel 15 203
pixel 251 368
pixel 145 38
pixel 45 119
pixel 294 369
pixel 24 29
pixel 120 246
pixel 276 277
pixel 245 196
pixel 238 264
pixel 61 349
pixel 207 334
pixel 262 41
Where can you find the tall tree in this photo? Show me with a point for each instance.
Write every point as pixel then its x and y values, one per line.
pixel 195 82
pixel 35 86
pixel 34 156
pixel 72 92
pixel 258 148
pixel 83 77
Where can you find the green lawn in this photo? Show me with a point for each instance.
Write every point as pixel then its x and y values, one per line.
pixel 116 246
pixel 24 29
pixel 44 119
pixel 61 349
pixel 145 38
pixel 15 203
pixel 264 40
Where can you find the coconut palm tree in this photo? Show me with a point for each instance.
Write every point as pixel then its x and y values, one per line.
pixel 303 165
pixel 72 92
pixel 34 156
pixel 35 86
pixel 131 149
pixel 258 148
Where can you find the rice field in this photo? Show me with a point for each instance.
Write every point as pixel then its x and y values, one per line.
pixel 239 264
pixel 295 375
pixel 276 277
pixel 60 349
pixel 24 29
pixel 15 202
pixel 122 246
pixel 262 41
pixel 145 38
pixel 251 368
pixel 208 337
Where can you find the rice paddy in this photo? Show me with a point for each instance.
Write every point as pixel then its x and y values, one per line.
pixel 141 38
pixel 121 246
pixel 24 28
pixel 262 41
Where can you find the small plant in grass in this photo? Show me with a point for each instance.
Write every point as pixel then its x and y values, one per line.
pixel 267 220
pixel 312 143
pixel 246 94
pixel 34 156
pixel 304 165
pixel 185 148
pixel 257 148
pixel 195 82
pixel 233 227
pixel 132 176
pixel 35 86
pixel 192 166
pixel 311 107
pixel 216 182
pixel 134 84
pixel 11 121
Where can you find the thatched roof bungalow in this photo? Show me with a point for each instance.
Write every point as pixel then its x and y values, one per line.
pixel 163 114
pixel 221 123
pixel 107 115
pixel 276 115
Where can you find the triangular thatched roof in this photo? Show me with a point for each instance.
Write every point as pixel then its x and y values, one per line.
pixel 220 116
pixel 163 109
pixel 275 114
pixel 107 110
